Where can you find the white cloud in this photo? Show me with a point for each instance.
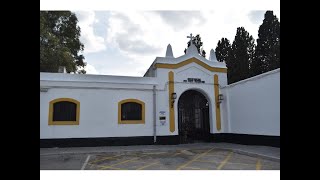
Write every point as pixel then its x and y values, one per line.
pixel 138 37
pixel 127 31
pixel 92 43
pixel 256 16
pixel 90 69
pixel 181 19
pixel 132 70
pixel 143 35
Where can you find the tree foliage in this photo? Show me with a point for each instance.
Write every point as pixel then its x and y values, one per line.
pixel 241 55
pixel 268 45
pixel 243 58
pixel 59 42
pixel 223 53
pixel 223 50
pixel 198 43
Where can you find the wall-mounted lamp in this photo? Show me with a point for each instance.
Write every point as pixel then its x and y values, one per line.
pixel 220 98
pixel 173 97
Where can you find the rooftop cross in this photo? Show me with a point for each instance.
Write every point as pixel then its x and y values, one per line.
pixel 191 38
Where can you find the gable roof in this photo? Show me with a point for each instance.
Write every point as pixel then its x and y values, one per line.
pixel 188 61
pixel 173 63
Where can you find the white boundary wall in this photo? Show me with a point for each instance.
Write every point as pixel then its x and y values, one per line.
pixel 253 105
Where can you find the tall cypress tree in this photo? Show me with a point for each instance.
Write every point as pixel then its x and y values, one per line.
pixel 223 53
pixel 223 50
pixel 267 55
pixel 241 55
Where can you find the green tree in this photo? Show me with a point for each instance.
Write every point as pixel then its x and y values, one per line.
pixel 241 55
pixel 198 43
pixel 59 42
pixel 267 55
pixel 223 50
pixel 223 54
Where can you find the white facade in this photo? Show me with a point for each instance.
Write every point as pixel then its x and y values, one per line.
pixel 98 96
pixel 254 105
pixel 249 107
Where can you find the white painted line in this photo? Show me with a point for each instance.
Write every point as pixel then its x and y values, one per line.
pixel 86 162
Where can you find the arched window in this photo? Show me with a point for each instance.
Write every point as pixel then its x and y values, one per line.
pixel 64 111
pixel 131 111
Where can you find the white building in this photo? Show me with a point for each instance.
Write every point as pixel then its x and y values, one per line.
pixel 179 100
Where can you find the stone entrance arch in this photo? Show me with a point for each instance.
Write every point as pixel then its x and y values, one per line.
pixel 193 117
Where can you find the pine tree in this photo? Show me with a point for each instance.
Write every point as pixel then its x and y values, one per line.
pixel 241 55
pixel 267 55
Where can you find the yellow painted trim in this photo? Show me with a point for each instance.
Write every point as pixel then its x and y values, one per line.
pixel 138 121
pixel 191 60
pixel 51 122
pixel 216 95
pixel 171 108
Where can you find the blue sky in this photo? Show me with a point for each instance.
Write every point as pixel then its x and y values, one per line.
pixel 127 42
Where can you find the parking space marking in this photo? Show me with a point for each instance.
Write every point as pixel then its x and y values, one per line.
pixel 86 162
pixel 196 168
pixel 205 161
pixel 148 165
pixel 99 160
pixel 109 167
pixel 258 165
pixel 213 155
pixel 142 162
pixel 130 160
pixel 240 164
pixel 155 153
pixel 175 154
pixel 249 164
pixel 225 160
pixel 197 157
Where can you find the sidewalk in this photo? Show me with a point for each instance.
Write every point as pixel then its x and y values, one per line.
pixel 265 151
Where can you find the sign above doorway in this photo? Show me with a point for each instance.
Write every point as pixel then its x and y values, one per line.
pixel 194 80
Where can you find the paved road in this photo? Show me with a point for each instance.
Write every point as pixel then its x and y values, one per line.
pixel 194 157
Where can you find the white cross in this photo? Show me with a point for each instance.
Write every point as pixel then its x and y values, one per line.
pixel 191 37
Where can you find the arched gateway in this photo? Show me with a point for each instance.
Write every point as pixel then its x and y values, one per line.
pixel 140 110
pixel 193 117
